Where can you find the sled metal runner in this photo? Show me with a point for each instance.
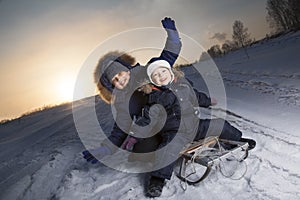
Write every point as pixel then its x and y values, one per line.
pixel 191 156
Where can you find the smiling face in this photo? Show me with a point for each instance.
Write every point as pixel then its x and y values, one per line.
pixel 161 76
pixel 121 80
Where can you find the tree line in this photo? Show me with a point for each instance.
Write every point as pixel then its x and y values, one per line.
pixel 282 16
pixel 240 39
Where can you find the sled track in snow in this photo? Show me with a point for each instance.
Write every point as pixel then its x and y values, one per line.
pixel 285 94
pixel 273 165
pixel 239 117
pixel 266 75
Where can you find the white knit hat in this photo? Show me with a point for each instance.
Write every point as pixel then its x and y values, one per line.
pixel 156 64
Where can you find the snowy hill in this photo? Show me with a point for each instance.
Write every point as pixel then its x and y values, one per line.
pixel 40 153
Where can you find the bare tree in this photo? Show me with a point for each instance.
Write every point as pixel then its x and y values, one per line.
pixel 283 15
pixel 277 19
pixel 240 35
pixel 294 7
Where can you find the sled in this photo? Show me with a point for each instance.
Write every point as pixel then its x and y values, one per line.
pixel 198 158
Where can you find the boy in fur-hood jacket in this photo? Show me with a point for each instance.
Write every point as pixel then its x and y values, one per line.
pixel 118 77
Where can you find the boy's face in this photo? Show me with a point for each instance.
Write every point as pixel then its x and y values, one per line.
pixel 161 76
pixel 121 80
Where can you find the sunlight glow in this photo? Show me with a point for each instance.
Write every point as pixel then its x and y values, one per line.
pixel 65 89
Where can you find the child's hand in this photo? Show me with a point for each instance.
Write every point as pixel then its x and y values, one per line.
pixel 213 101
pixel 129 143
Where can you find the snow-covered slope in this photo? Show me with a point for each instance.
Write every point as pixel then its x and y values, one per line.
pixel 40 153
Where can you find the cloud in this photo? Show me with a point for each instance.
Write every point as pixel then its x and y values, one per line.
pixel 220 37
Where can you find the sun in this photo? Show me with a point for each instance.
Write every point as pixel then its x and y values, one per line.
pixel 65 89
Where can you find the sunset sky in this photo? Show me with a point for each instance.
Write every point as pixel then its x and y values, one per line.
pixel 45 43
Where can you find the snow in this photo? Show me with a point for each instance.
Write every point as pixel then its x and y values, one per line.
pixel 40 153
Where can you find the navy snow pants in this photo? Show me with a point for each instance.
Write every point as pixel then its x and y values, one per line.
pixel 207 127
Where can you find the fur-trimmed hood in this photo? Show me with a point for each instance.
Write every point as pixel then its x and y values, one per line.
pixel 105 89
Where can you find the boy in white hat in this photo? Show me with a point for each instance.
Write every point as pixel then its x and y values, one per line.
pixel 177 98
pixel 160 73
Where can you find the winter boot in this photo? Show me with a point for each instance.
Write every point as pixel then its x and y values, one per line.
pixel 251 143
pixel 155 187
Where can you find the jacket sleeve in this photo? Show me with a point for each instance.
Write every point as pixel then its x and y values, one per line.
pixel 116 137
pixel 119 132
pixel 171 49
pixel 154 114
pixel 122 123
pixel 203 99
pixel 146 125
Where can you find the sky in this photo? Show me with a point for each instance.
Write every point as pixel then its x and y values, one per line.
pixel 45 43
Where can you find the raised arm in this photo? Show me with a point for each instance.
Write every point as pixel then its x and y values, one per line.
pixel 173 44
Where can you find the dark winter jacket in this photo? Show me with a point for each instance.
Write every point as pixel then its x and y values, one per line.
pixel 178 99
pixel 130 101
